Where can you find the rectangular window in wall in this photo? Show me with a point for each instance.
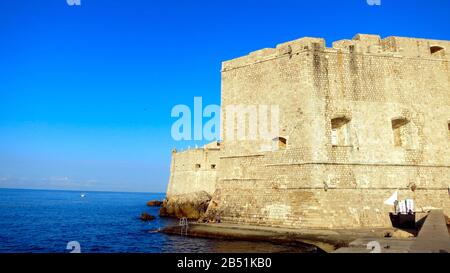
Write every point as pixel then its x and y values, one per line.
pixel 400 131
pixel 448 126
pixel 340 131
pixel 279 143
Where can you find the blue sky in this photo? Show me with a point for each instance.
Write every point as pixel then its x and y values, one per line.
pixel 86 91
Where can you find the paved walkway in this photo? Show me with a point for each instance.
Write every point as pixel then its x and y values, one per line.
pixel 325 239
pixel 433 237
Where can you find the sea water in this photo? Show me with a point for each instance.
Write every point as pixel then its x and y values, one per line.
pixel 46 221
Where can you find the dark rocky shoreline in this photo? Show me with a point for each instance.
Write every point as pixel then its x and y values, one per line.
pixel 192 206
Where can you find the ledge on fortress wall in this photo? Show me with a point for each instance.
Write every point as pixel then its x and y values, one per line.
pixel 361 44
pixel 213 146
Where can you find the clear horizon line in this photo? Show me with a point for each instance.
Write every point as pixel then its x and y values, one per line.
pixel 74 190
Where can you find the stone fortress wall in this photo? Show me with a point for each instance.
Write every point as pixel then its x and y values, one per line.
pixel 360 120
pixel 194 170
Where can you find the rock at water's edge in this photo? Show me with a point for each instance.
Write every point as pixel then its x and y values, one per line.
pixel 146 217
pixel 154 203
pixel 192 206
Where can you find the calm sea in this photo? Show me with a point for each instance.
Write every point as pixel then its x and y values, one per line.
pixel 42 221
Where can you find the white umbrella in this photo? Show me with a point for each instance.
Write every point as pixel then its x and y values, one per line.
pixel 392 199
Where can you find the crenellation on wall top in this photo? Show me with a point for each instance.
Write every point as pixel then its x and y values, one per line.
pixel 361 44
pixel 367 38
pixel 283 49
pixel 213 146
pixel 305 43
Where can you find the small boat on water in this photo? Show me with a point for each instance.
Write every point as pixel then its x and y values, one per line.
pixel 82 195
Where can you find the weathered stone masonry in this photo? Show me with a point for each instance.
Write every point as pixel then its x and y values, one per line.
pixel 361 120
pixel 194 170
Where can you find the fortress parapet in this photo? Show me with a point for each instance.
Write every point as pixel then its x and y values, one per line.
pixel 360 44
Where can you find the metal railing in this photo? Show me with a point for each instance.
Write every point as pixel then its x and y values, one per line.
pixel 184 225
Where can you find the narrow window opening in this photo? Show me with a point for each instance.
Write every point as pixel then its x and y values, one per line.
pixel 399 128
pixel 448 127
pixel 340 131
pixel 351 48
pixel 198 166
pixel 279 143
pixel 436 50
pixel 213 166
